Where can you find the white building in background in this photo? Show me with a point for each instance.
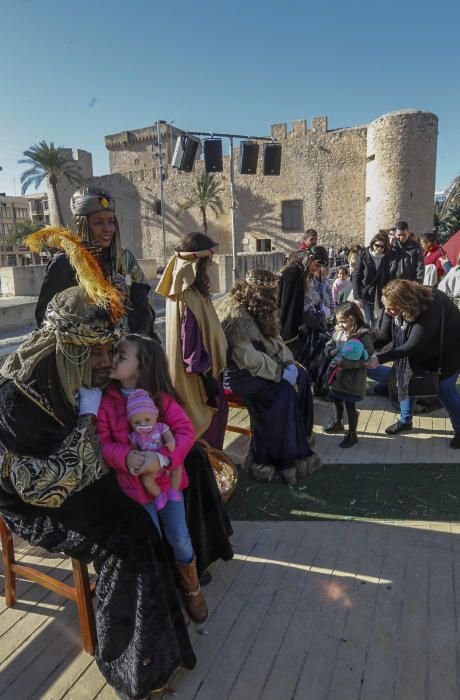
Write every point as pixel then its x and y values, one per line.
pixel 440 195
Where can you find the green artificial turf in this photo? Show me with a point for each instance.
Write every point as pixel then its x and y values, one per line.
pixel 391 492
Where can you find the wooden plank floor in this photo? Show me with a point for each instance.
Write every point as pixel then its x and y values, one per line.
pixel 308 611
pixel 427 443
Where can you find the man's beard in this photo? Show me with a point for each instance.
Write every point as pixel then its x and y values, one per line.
pixel 100 378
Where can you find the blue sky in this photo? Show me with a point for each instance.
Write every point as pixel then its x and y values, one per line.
pixel 73 72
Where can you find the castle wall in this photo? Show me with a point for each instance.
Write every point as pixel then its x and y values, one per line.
pixel 324 170
pixel 347 183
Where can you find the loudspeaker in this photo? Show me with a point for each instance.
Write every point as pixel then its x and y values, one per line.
pixel 212 149
pixel 249 155
pixel 185 152
pixel 272 158
pixel 158 207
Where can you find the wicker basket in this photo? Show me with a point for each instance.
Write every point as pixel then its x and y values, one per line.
pixel 225 471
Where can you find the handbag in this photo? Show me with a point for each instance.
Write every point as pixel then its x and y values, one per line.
pixel 426 384
pixel 225 472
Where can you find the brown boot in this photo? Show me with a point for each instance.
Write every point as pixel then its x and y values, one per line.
pixel 194 599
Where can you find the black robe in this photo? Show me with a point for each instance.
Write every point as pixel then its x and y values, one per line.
pixel 138 615
pixel 291 296
pixel 61 275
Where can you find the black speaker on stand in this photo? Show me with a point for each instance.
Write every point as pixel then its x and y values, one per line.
pixel 213 160
pixel 249 155
pixel 272 158
pixel 185 152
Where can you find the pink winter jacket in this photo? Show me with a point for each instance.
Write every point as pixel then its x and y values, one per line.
pixel 113 430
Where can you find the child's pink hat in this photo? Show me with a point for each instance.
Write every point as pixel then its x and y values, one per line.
pixel 140 401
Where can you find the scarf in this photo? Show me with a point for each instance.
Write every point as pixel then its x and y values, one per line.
pixel 71 327
pixel 402 367
pixel 180 273
pixel 377 258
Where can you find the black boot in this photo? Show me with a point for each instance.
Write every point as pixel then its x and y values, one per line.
pixel 398 427
pixel 455 442
pixel 334 425
pixel 350 439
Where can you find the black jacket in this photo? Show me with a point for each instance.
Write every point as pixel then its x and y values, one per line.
pixel 291 296
pixel 367 280
pixel 406 262
pixel 424 335
pixel 60 275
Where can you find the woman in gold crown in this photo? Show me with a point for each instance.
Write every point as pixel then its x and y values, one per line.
pixel 93 209
pixel 261 369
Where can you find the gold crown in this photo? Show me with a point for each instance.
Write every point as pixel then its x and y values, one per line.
pixel 261 278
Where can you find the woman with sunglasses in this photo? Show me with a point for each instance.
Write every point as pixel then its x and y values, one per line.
pixel 371 274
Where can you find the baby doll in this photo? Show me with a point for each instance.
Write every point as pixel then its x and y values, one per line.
pixel 351 350
pixel 149 435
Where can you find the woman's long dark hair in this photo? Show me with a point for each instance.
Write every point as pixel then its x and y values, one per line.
pixel 381 238
pixel 154 375
pixel 194 242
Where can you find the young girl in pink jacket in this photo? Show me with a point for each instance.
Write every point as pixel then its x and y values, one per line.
pixel 140 362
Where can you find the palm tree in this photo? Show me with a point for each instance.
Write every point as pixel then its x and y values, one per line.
pixel 50 162
pixel 446 215
pixel 21 229
pixel 206 194
pixel 453 194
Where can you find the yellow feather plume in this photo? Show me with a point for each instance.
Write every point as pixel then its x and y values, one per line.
pixel 87 269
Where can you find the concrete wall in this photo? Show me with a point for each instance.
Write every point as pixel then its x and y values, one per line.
pixel 17 312
pixel 27 281
pixel 149 267
pixel 22 280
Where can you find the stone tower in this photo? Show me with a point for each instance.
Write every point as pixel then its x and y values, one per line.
pixel 84 162
pixel 400 171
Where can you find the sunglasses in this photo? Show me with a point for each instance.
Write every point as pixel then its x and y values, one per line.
pixel 378 245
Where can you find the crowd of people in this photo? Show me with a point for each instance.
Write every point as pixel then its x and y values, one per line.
pixel 116 471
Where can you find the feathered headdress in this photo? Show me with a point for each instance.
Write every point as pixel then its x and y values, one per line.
pixel 87 269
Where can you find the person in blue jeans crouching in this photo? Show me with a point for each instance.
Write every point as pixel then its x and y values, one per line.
pixel 415 317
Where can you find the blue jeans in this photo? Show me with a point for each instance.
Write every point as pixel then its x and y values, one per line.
pixel 172 518
pixel 450 399
pixel 368 313
pixel 448 395
pixel 381 374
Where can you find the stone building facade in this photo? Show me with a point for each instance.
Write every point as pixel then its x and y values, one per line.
pixel 347 183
